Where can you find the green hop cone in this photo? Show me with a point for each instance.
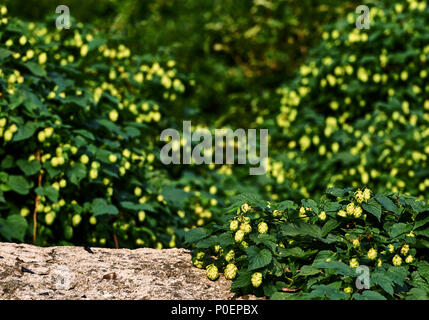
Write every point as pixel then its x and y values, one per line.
pixel 230 271
pixel 212 272
pixel 230 255
pixel 239 235
pixel 198 263
pixel 256 279
pixel 262 227
pixel 233 225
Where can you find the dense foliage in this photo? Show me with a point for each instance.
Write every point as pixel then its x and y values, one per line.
pixel 357 111
pixel 79 120
pixel 311 251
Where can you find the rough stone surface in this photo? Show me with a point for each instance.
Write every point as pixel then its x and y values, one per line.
pixel 74 273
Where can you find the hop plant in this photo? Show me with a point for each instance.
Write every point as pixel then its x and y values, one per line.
pixel 372 254
pixel 233 225
pixel 212 272
pixel 262 227
pixel 397 260
pixel 230 271
pixel 230 255
pixel 239 235
pixel 256 279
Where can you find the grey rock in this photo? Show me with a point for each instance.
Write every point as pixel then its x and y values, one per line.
pixel 73 273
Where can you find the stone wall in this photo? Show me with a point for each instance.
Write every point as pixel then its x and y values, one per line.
pixel 30 272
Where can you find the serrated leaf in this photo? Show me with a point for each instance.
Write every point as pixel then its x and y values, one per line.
pixel 301 229
pixel 196 234
pixel 29 168
pixel 19 184
pixel 243 279
pixel 372 207
pixel 258 258
pixel 330 225
pixel 137 206
pixel 336 192
pixel 369 295
pixel 76 173
pixel 13 227
pixel 386 203
pixel 100 207
pixel 35 69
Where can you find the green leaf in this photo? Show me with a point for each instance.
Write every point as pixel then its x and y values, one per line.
pixel 13 227
pixel 207 242
pixel 386 203
pixel 372 207
pixel 330 225
pixel 35 69
pixel 301 229
pixel 424 232
pixel 4 53
pixel 296 252
pixel 383 280
pixel 243 279
pixel 308 271
pixel 267 240
pixel 26 131
pixel 137 206
pixel 398 274
pixel 287 296
pixel 258 258
pixel 49 192
pixel 76 173
pixel 29 168
pixel 327 291
pixel 399 228
pixel 340 267
pixel 19 184
pixel 100 207
pixel 196 234
pixel 368 295
pixel 417 294
pixel 336 192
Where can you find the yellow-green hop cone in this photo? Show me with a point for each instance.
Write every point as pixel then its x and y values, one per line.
pixel 230 255
pixel 200 255
pixel 198 263
pixel 359 196
pixel 354 263
pixel 348 290
pixel 262 227
pixel 372 254
pixel 366 194
pixel 212 272
pixel 233 225
pixel 342 213
pixel 391 248
pixel 397 260
pixel 322 215
pixel 245 207
pixel 239 235
pixel 246 227
pixel 356 243
pixel 244 245
pixel 256 279
pixel 405 248
pixel 357 212
pixel 230 271
pixel 409 259
pixel 350 208
pixel 379 262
